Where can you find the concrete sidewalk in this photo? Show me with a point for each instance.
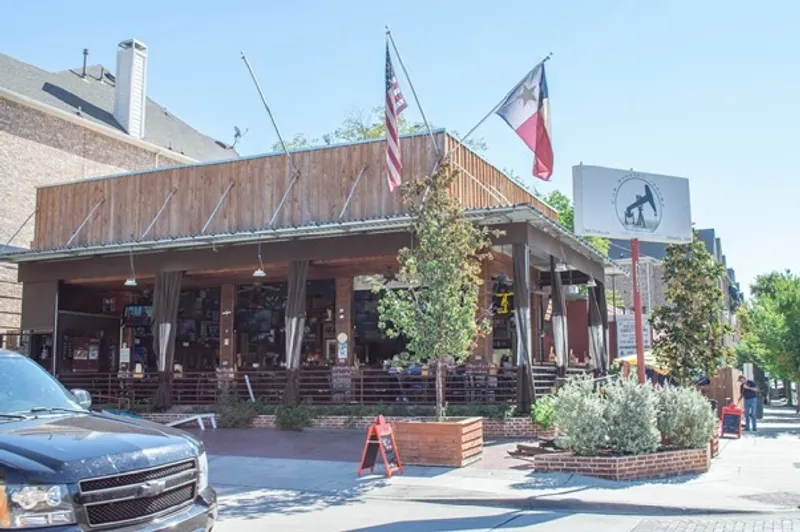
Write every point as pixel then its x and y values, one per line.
pixel 757 473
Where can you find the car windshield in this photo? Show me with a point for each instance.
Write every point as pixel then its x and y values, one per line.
pixel 26 387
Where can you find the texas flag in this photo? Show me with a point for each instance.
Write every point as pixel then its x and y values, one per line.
pixel 527 110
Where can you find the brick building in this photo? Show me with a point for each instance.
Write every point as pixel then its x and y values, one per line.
pixel 75 124
pixel 651 272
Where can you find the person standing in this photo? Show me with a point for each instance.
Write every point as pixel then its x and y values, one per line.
pixel 750 395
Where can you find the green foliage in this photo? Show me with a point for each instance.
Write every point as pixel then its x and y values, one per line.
pixel 437 314
pixel 770 325
pixel 580 416
pixel 233 414
pixel 685 418
pixel 630 414
pixel 543 412
pixel 293 417
pixel 566 216
pixel 690 326
pixel 364 126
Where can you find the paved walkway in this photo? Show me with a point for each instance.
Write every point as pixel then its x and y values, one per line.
pixel 756 479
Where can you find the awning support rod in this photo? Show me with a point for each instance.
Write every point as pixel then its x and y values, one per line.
pixel 283 199
pixel 84 222
pixel 21 227
pixel 219 204
pixel 502 200
pixel 158 214
pixel 352 190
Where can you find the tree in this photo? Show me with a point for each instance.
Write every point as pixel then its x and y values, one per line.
pixel 438 315
pixel 770 326
pixel 690 330
pixel 364 126
pixel 566 217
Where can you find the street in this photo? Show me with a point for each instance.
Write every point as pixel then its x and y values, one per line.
pixel 753 485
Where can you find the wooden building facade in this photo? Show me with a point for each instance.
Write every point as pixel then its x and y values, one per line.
pixel 234 229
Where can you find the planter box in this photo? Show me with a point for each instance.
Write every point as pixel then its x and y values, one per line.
pixel 657 465
pixel 453 442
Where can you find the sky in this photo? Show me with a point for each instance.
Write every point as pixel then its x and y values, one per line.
pixel 704 90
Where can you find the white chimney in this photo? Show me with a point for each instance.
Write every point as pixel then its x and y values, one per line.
pixel 130 91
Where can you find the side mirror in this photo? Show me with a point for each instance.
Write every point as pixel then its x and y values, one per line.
pixel 83 397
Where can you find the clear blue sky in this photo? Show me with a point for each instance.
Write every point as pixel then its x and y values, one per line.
pixel 710 93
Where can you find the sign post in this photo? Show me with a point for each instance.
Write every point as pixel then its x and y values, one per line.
pixel 637 311
pixel 631 205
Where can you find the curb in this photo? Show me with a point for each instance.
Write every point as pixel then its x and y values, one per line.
pixel 594 507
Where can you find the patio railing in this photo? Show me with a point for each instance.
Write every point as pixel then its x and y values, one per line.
pixel 319 386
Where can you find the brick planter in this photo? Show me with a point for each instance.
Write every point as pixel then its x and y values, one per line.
pixel 453 442
pixel 515 427
pixel 663 464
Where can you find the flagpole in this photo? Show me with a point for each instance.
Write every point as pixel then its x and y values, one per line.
pixel 272 118
pixel 463 139
pixel 413 92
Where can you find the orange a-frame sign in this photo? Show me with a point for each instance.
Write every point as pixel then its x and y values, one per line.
pixel 380 439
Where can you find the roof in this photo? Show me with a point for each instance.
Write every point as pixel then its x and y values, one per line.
pixel 489 216
pixel 621 249
pixel 94 95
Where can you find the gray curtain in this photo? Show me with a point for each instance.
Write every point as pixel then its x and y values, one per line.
pixel 597 347
pixel 559 319
pixel 295 323
pixel 522 317
pixel 166 298
pixel 602 305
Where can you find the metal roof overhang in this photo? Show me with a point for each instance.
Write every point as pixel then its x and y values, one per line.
pixel 523 213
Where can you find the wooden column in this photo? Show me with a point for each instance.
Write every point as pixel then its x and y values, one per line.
pixel 343 314
pixel 483 347
pixel 227 340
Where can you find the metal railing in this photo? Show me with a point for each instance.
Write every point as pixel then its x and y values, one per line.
pixel 333 386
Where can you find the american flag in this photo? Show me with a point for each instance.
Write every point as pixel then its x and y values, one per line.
pixel 395 103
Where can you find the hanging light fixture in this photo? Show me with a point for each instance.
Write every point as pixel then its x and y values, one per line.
pixel 561 267
pixel 130 282
pixel 260 270
pixel 592 283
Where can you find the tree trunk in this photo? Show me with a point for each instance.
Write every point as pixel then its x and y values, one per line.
pixel 798 397
pixel 291 394
pixel 787 390
pixel 441 374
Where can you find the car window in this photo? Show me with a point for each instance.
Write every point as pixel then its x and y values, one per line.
pixel 24 385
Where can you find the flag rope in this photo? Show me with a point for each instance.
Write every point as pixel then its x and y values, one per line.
pixel 413 92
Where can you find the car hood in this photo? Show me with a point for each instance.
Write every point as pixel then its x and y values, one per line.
pixel 71 447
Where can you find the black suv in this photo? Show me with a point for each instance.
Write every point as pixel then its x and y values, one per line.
pixel 64 468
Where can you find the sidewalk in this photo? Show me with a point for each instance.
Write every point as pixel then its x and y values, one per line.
pixel 758 473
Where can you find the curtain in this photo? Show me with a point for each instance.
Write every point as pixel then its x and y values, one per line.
pixel 295 323
pixel 166 298
pixel 522 317
pixel 597 347
pixel 602 305
pixel 559 319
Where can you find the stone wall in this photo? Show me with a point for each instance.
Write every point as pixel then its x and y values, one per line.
pixel 665 464
pixel 623 285
pixel 37 149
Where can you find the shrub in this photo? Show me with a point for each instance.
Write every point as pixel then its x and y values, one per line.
pixel 630 412
pixel 685 418
pixel 293 417
pixel 578 412
pixel 232 414
pixel 542 412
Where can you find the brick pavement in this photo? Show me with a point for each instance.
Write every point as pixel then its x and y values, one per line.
pixel 789 522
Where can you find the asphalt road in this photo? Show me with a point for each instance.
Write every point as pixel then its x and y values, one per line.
pixel 303 511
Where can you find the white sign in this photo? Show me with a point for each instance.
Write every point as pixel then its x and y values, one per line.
pixel 626 334
pixel 626 204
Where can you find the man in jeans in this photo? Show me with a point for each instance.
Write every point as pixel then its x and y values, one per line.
pixel 750 394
